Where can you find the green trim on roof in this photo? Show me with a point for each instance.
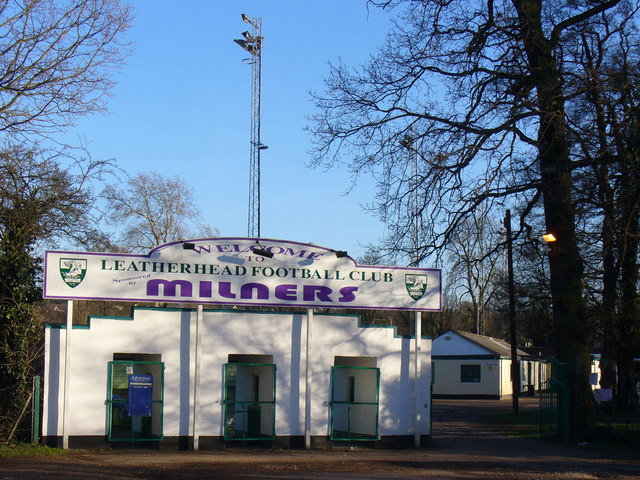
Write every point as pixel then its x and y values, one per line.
pixel 130 318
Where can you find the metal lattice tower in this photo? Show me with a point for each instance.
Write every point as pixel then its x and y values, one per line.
pixel 252 43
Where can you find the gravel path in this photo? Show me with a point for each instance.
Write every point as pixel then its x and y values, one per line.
pixel 464 446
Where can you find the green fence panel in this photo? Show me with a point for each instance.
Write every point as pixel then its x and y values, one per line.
pixel 554 401
pixel 35 418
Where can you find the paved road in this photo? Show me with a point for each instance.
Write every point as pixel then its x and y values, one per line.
pixel 463 435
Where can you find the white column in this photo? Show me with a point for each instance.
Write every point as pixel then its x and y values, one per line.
pixel 67 374
pixel 196 380
pixel 307 388
pixel 416 386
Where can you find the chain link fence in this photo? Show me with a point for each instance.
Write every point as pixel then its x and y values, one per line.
pixel 20 415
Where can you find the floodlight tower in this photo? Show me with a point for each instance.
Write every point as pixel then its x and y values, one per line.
pixel 252 43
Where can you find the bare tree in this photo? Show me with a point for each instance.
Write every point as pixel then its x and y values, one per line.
pixel 474 263
pixel 154 210
pixel 605 125
pixel 480 88
pixel 453 316
pixel 57 58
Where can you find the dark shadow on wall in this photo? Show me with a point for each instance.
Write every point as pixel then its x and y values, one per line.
pixel 293 414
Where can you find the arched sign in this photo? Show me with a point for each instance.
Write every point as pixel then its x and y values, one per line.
pixel 240 271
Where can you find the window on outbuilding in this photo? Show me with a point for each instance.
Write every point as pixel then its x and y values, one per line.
pixel 470 373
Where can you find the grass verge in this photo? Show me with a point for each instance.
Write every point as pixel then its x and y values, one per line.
pixel 28 450
pixel 525 424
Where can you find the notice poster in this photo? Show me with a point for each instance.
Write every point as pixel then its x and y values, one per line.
pixel 140 395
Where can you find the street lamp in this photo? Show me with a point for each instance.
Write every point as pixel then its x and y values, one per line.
pixel 550 238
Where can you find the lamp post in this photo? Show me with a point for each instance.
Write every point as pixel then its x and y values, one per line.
pixel 252 43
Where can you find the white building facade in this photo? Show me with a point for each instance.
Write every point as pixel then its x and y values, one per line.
pixel 208 376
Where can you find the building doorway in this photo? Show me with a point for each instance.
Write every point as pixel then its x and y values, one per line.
pixel 135 398
pixel 249 397
pixel 355 394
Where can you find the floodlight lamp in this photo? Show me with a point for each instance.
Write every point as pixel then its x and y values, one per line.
pixel 245 18
pixel 242 43
pixel 549 237
pixel 262 146
pixel 248 36
pixel 340 253
pixel 262 252
pixel 188 246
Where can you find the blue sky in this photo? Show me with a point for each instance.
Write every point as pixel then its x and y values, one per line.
pixel 182 107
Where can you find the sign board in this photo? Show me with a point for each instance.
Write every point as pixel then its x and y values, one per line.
pixel 228 271
pixel 140 399
pixel 603 395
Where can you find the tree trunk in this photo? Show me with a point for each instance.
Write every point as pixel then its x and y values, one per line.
pixel 609 286
pixel 629 323
pixel 627 397
pixel 570 325
pixel 606 198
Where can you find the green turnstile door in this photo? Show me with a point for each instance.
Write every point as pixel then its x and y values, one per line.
pixel 355 394
pixel 249 401
pixel 134 401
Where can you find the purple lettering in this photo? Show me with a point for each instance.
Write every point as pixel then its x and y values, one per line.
pixel 169 288
pixel 286 292
pixel 312 292
pixel 347 294
pixel 224 289
pixel 205 289
pixel 262 291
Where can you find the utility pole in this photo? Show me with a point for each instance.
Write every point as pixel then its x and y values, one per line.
pixel 252 43
pixel 515 366
pixel 412 207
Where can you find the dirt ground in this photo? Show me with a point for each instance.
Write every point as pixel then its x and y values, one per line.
pixel 465 445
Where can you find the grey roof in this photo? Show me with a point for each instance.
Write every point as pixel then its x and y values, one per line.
pixel 493 345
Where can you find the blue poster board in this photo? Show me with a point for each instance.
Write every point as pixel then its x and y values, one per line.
pixel 140 395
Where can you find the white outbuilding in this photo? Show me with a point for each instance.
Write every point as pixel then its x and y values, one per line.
pixel 477 366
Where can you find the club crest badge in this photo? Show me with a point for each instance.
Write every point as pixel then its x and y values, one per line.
pixel 416 285
pixel 73 271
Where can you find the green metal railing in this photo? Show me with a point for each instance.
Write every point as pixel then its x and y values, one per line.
pixel 35 416
pixel 355 398
pixel 121 426
pixel 554 402
pixel 249 401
